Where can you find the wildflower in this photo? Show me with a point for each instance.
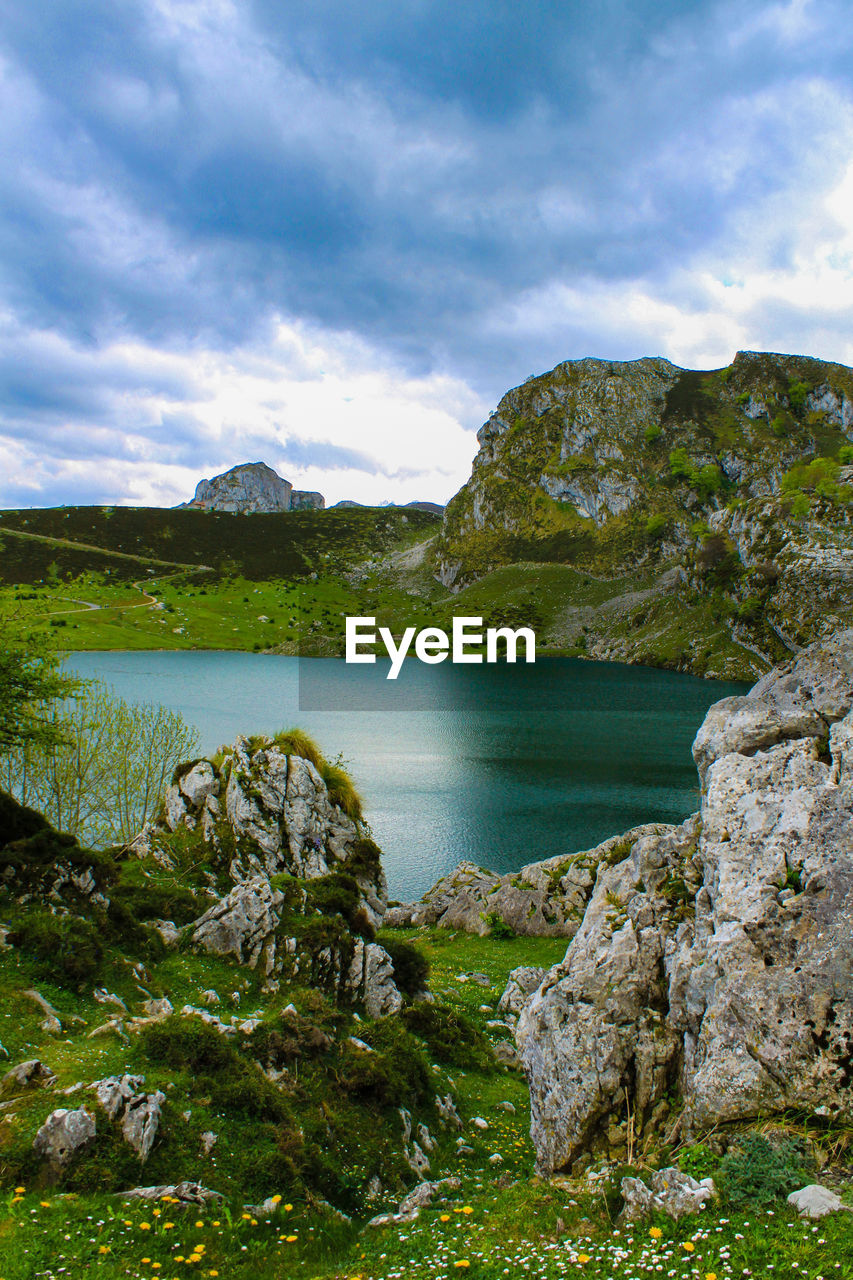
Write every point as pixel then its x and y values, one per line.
pixel 467 1209
pixel 710 1275
pixel 688 1246
pixel 291 1239
pixel 276 1199
pixel 213 1273
pixel 145 1261
pixel 19 1191
pixel 287 1208
pixel 463 1262
pixel 445 1217
pixel 583 1257
pixel 45 1204
pixel 155 1213
pixel 655 1233
pixel 201 1224
pixel 145 1226
pixel 216 1222
pixel 168 1226
pixel 105 1248
pixel 247 1217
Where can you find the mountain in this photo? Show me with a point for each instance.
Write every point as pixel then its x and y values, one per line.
pixel 252 488
pixel 718 500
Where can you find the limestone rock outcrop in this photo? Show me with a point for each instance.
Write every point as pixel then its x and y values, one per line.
pixel 543 899
pixel 714 960
pixel 250 488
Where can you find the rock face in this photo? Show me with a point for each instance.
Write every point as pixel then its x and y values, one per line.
pixel 268 804
pixel 63 1134
pixel 543 899
pixel 250 488
pixel 735 479
pixel 715 959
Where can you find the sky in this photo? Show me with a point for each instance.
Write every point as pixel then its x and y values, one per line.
pixel 330 236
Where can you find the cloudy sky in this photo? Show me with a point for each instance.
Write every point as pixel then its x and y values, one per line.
pixel 330 235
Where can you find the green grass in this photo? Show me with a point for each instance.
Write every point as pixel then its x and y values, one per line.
pixel 502 1221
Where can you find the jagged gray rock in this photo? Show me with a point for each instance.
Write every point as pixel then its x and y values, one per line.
pixel 243 924
pixel 520 985
pixel 185 1192
pixel 672 1192
pixel 715 957
pixel 32 1074
pixel 543 899
pixel 370 980
pixel 63 1134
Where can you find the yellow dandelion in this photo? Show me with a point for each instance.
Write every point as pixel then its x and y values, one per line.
pixel 168 1226
pixel 155 1213
pixel 145 1226
pixel 145 1261
pixel 276 1199
pixel 467 1209
pixel 17 1199
pixel 201 1224
pixel 288 1208
pixel 710 1275
pixel 19 1191
pixel 105 1248
pixel 655 1233
pixel 127 1222
pixel 688 1246
pixel 291 1239
pixel 462 1263
pixel 247 1217
pixel 180 1258
pixel 45 1204
pixel 213 1273
pixel 583 1257
pixel 445 1217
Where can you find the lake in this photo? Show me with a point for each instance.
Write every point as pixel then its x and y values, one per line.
pixel 501 765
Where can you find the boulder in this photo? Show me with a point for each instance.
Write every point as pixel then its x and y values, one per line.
pixel 370 980
pixel 521 984
pixel 141 1122
pixel 63 1134
pixel 243 924
pixel 31 1074
pixel 183 1192
pixel 715 957
pixel 815 1201
pixel 672 1192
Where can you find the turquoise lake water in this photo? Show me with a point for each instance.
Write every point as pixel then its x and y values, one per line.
pixel 500 764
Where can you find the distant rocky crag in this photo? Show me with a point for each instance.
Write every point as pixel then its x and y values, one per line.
pixel 734 486
pixel 708 977
pixel 251 488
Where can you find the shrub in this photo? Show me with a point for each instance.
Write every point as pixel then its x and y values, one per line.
pixel 295 742
pixel 67 949
pixel 655 525
pixel 449 1035
pixel 217 1069
pixel 17 822
pixel 797 392
pixel 845 455
pixel 411 967
pixel 699 1161
pixel 396 1074
pixel 364 859
pixel 342 790
pixel 498 927
pixel 756 1171
pixel 159 902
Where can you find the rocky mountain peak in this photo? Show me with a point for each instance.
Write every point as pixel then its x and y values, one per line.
pixel 251 488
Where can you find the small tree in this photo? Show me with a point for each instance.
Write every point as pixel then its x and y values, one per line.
pixel 30 682
pixel 102 771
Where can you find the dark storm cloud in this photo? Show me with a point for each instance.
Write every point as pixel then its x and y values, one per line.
pixel 183 174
